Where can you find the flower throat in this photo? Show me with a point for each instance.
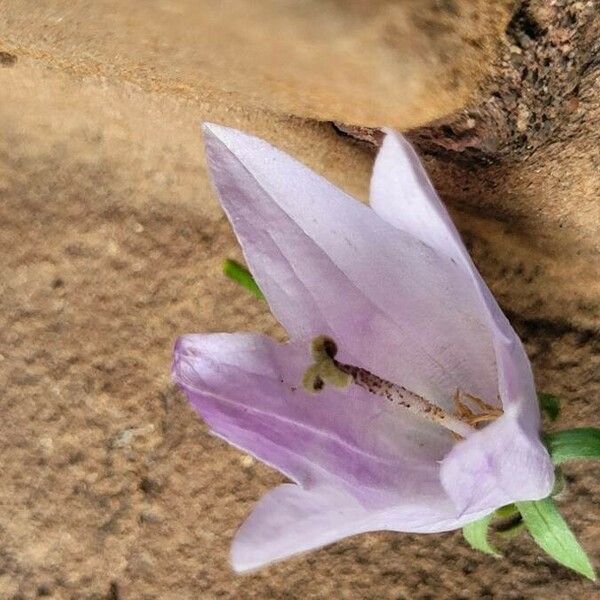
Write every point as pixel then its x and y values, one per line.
pixel 326 370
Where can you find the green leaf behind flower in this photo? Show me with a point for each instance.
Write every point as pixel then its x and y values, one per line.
pixel 552 534
pixel 238 273
pixel 549 405
pixel 573 444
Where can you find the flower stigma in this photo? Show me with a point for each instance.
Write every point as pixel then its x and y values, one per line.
pixel 326 370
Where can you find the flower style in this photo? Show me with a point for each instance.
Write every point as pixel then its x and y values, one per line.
pixel 427 417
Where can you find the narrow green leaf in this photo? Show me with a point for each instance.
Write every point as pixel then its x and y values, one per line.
pixel 552 534
pixel 573 444
pixel 476 534
pixel 550 405
pixel 241 275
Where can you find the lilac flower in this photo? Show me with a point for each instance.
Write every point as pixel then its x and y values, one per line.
pixel 417 332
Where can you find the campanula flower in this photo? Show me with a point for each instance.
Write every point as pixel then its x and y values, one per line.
pixel 404 400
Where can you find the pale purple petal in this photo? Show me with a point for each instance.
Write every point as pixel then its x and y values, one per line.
pixel 289 520
pixel 402 194
pixel 247 389
pixel 362 466
pixel 330 265
pixel 497 466
pixel 396 289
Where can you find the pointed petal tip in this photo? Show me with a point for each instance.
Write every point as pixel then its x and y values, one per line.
pixel 224 133
pixel 390 132
pixel 178 349
pixel 212 131
pixel 187 348
pixel 183 343
pixel 220 140
pixel 395 141
pixel 240 559
pixel 246 560
pixel 209 127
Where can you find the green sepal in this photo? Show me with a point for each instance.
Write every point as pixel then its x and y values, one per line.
pixel 509 522
pixel 476 534
pixel 238 273
pixel 560 483
pixel 552 534
pixel 573 444
pixel 549 405
pixel 511 531
pixel 507 512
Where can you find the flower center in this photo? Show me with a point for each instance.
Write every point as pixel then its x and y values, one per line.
pixel 327 370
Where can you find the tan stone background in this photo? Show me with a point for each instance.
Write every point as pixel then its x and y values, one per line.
pixel 111 243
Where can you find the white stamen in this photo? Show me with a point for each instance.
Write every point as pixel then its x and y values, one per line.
pixel 403 397
pixel 327 370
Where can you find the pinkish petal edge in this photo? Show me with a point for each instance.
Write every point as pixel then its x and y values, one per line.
pixel 402 194
pixel 290 520
pixel 330 265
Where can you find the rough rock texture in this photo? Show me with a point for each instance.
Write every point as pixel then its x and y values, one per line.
pixel 111 244
pixel 527 153
pixel 371 63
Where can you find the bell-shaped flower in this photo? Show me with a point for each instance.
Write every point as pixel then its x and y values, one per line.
pixel 433 421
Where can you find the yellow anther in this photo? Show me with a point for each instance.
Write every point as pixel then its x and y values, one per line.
pixel 324 370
